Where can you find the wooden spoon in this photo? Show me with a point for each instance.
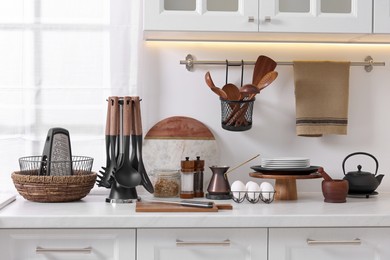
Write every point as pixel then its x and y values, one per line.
pixel 264 82
pixel 214 88
pixel 248 89
pixel 232 92
pixel 263 65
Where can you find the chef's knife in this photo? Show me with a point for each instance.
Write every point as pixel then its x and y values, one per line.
pixel 186 203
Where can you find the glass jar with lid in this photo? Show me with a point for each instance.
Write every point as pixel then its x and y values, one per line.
pixel 166 183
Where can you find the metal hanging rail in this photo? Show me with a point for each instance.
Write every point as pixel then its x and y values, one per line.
pixel 368 63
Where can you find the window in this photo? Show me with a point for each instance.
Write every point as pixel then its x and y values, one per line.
pixel 59 61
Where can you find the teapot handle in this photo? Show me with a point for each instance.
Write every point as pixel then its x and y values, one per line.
pixel 363 153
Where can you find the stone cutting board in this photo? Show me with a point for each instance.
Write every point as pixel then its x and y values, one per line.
pixel 172 139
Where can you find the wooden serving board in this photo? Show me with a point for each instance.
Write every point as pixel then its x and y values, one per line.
pixel 180 127
pixel 162 207
pixel 172 139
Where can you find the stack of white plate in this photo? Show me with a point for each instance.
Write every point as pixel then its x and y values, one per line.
pixel 285 162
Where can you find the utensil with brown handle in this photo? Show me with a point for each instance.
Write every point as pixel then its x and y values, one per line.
pixel 126 175
pixel 114 133
pixel 263 65
pixel 104 178
pixel 138 132
pixel 239 112
pixel 214 88
pixel 324 174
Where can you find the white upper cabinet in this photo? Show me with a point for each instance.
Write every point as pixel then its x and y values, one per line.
pixel 293 16
pixel 201 15
pixel 381 16
pixel 316 16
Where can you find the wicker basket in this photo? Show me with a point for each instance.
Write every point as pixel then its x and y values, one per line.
pixel 39 188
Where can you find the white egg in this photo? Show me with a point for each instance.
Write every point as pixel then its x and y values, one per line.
pixel 250 183
pixel 238 188
pixel 266 189
pixel 253 190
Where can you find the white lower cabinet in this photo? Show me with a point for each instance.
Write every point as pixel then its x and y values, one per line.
pixel 202 243
pixel 196 243
pixel 329 243
pixel 67 244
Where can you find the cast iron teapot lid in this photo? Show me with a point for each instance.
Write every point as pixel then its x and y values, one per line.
pixel 359 171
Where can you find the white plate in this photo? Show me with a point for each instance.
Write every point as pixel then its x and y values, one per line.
pixel 286 167
pixel 285 159
pixel 285 162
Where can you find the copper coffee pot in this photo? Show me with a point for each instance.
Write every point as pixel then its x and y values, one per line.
pixel 219 187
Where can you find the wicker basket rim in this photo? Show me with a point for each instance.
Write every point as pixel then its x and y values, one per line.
pixel 84 177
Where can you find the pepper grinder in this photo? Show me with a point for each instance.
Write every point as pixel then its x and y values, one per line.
pixel 198 178
pixel 187 179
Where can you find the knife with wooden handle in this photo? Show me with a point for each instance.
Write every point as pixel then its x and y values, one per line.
pixel 186 203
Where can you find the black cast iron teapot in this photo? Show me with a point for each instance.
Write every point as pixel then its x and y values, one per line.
pixel 362 182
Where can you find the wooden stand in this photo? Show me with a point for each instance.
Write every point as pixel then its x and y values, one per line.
pixel 285 185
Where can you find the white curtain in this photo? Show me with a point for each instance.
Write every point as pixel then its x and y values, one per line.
pixel 59 61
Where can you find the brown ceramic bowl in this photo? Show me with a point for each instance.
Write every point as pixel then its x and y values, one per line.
pixel 335 191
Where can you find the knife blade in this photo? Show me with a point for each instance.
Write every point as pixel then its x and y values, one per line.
pixel 186 203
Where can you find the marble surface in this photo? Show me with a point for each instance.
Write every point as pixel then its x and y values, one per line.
pixel 93 212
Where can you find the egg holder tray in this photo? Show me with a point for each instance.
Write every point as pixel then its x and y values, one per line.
pixel 253 196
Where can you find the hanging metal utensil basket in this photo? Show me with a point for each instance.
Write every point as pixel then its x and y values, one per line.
pixel 237 115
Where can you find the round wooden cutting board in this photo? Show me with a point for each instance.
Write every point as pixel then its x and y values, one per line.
pixel 172 139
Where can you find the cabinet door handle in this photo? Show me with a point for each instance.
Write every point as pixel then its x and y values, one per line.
pixel 355 241
pixel 42 250
pixel 251 19
pixel 225 242
pixel 267 19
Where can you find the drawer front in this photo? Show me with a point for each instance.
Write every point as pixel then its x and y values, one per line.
pixel 329 243
pixel 69 244
pixel 205 244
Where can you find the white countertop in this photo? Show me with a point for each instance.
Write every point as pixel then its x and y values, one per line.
pixel 93 212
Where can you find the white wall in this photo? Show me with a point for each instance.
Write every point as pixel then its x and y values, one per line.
pixel 168 89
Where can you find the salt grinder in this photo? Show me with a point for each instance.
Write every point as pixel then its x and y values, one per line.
pixel 198 178
pixel 187 179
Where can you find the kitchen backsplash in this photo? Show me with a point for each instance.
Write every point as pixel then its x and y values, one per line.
pixel 168 89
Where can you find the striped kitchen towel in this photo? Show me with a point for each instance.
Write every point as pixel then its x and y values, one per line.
pixel 321 97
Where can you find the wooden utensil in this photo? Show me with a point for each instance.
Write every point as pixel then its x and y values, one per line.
pixel 241 164
pixel 248 90
pixel 214 88
pixel 263 65
pixel 232 92
pixel 265 82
